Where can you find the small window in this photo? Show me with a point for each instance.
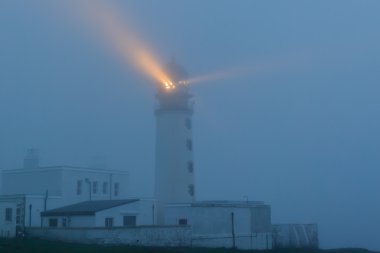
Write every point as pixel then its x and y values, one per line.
pixel 190 167
pixel 116 189
pixel 182 221
pixel 109 222
pixel 191 190
pixel 95 187
pixel 53 223
pixel 129 221
pixel 105 187
pixel 8 214
pixel 79 187
pixel 188 123
pixel 64 222
pixel 189 144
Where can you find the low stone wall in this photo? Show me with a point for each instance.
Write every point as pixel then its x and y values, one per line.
pixel 168 236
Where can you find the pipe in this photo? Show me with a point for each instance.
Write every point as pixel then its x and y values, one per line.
pixel 233 230
pixel 30 215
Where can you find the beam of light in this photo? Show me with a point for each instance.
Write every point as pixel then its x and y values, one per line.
pixel 293 60
pixel 222 74
pixel 122 38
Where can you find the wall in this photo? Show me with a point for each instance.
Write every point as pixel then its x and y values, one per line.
pixel 295 236
pixel 37 203
pixel 147 236
pixel 261 219
pixel 142 209
pixel 71 177
pixel 32 181
pixel 212 225
pixel 72 221
pixel 7 228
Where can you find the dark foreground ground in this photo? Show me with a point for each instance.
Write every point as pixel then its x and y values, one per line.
pixel 42 246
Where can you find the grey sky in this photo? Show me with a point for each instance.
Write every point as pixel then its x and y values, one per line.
pixel 301 134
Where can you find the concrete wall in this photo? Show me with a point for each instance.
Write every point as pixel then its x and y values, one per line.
pixel 295 236
pixel 147 236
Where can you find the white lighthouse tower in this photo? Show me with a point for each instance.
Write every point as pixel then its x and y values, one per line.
pixel 174 172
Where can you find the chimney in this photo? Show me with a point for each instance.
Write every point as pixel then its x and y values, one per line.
pixel 31 160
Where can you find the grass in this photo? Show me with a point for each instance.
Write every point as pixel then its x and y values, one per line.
pixel 44 246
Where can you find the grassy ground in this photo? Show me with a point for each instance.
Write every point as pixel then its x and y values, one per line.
pixel 42 246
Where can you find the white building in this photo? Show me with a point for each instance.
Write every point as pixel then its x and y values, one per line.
pixel 245 225
pixel 101 213
pixel 35 189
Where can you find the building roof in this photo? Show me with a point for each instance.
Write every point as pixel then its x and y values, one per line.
pixel 63 168
pixel 87 208
pixel 220 203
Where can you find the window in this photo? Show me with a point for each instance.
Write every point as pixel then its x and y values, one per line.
pixel 94 187
pixel 64 222
pixel 116 189
pixel 109 222
pixel 105 187
pixel 189 144
pixel 188 123
pixel 182 221
pixel 79 187
pixel 190 167
pixel 53 223
pixel 191 190
pixel 8 214
pixel 129 221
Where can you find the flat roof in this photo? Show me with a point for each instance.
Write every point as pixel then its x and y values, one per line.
pixel 219 203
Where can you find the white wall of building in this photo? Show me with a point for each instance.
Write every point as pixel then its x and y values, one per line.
pixel 71 221
pixel 35 204
pixel 142 209
pixel 7 227
pixel 63 181
pixel 32 181
pixel 59 186
pixel 212 225
pixel 93 180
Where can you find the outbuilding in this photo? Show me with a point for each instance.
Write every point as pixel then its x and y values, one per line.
pixel 101 213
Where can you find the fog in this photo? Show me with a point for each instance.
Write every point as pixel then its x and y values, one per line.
pixel 286 107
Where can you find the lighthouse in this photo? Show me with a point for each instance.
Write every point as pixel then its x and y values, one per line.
pixel 174 166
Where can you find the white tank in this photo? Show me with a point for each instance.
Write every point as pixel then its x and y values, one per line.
pixel 174 172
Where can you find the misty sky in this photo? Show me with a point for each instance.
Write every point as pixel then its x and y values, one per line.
pixel 301 132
